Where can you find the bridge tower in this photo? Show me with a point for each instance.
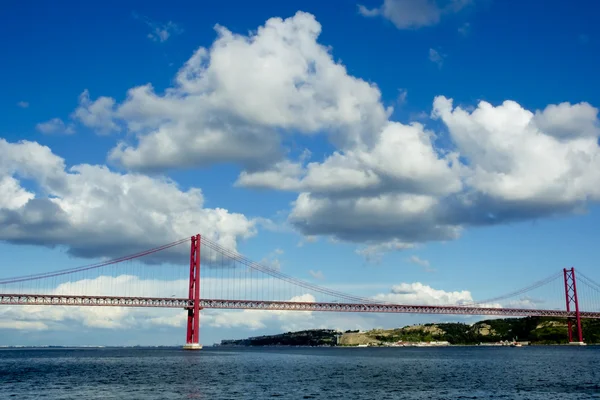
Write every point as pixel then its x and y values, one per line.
pixel 193 323
pixel 572 305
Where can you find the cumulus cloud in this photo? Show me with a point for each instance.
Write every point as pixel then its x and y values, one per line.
pixel 414 14
pixel 97 115
pixel 419 293
pixel 12 195
pixel 518 165
pixel 388 221
pixel 376 168
pixel 565 120
pixel 404 190
pixel 55 125
pixel 23 104
pixel 233 101
pixel 95 212
pixel 387 185
pixel 520 161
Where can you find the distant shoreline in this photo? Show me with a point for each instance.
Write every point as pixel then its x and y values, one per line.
pixel 517 332
pixel 217 347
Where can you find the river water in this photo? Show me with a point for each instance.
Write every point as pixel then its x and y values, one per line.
pixel 303 373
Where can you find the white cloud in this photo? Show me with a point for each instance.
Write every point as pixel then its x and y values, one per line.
pixel 12 195
pixel 373 253
pixel 402 96
pixel 97 115
pixel 230 103
pixel 403 190
pixel 160 32
pixel 413 14
pixel 163 32
pixel 368 12
pixel 565 120
pixel 23 104
pixel 316 274
pixel 421 262
pixel 421 294
pixel 56 318
pixel 436 58
pixel 95 212
pixel 23 325
pixel 377 168
pixel 528 302
pixel 387 185
pixel 385 221
pixel 527 162
pixel 272 260
pixel 55 125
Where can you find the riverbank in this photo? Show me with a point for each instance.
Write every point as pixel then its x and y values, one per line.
pixel 497 332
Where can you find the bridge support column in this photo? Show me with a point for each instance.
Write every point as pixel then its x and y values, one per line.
pixel 193 323
pixel 573 305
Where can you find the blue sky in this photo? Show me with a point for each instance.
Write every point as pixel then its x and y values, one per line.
pixel 483 197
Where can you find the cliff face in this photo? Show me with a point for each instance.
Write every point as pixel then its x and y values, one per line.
pixel 484 329
pixel 354 339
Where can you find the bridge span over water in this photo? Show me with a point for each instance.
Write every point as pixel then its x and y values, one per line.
pixel 229 280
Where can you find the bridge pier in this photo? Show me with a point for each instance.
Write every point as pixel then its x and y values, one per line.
pixel 193 322
pixel 192 346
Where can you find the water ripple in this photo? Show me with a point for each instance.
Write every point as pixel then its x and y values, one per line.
pixel 549 373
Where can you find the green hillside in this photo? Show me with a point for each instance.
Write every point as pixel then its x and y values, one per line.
pixel 536 330
pixel 315 337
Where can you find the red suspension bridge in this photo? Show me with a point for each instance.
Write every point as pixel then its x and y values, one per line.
pixel 229 280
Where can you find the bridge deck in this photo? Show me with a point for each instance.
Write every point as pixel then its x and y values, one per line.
pixel 149 302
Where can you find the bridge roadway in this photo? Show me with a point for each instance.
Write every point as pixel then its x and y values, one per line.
pixel 147 302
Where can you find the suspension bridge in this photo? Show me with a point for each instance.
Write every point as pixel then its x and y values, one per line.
pixel 229 280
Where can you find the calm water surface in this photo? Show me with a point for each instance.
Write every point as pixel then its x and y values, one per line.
pixel 303 373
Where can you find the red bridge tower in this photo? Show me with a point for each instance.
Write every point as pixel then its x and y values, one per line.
pixel 573 305
pixel 193 322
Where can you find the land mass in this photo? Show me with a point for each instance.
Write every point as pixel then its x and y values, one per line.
pixel 534 330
